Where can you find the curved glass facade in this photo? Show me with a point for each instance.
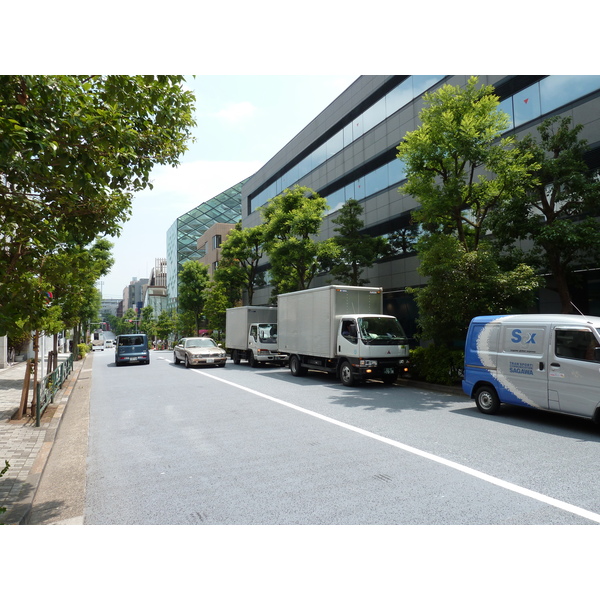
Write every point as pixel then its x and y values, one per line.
pixel 182 236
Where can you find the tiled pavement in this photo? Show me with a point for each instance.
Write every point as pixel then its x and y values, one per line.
pixel 25 446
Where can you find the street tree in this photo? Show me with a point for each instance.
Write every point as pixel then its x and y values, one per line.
pixel 356 251
pixel 559 213
pixel 148 322
pixel 460 168
pixel 241 253
pixel 130 321
pixel 216 303
pixel 193 280
pixel 292 223
pixel 165 326
pixel 73 152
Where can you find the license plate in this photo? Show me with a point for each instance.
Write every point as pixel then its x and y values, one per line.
pixel 210 360
pixel 388 371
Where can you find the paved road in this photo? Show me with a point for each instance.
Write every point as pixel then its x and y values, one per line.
pixel 240 446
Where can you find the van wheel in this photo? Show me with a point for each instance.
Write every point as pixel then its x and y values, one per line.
pixel 486 400
pixel 346 374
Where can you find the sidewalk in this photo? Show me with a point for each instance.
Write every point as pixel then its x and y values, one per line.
pixel 25 446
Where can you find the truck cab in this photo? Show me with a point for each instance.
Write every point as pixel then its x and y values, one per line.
pixel 371 346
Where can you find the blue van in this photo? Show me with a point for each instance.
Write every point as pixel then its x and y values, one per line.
pixel 546 362
pixel 132 348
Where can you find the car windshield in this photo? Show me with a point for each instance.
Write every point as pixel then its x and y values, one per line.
pixel 381 331
pixel 199 343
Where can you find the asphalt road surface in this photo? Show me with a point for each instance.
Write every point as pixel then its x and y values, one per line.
pixel 235 445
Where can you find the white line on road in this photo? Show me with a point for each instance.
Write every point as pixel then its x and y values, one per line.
pixel 576 510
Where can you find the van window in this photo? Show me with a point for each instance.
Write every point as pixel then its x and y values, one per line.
pixel 131 341
pixel 575 343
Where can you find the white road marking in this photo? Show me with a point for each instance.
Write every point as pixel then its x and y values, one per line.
pixel 576 510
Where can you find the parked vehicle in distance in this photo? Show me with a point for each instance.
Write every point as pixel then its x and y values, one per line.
pixel 132 348
pixel 545 362
pixel 109 344
pixel 98 339
pixel 196 351
pixel 251 334
pixel 341 330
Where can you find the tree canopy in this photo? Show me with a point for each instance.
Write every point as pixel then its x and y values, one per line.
pixel 73 152
pixel 193 280
pixel 559 212
pixel 292 222
pixel 241 253
pixel 460 168
pixel 357 251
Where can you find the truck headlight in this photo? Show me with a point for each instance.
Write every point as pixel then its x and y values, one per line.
pixel 367 363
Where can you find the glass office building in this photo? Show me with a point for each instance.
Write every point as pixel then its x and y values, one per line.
pixel 349 151
pixel 182 236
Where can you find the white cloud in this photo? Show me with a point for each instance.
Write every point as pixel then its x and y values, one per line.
pixel 234 113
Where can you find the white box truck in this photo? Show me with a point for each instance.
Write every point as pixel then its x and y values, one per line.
pixel 547 362
pixel 98 339
pixel 251 334
pixel 341 330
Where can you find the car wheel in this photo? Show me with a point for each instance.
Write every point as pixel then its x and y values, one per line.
pixel 177 361
pixel 187 362
pixel 487 400
pixel 346 375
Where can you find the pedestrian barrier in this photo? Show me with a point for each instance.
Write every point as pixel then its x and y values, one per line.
pixel 48 387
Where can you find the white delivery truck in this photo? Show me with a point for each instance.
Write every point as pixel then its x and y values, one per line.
pixel 251 334
pixel 547 362
pixel 341 330
pixel 98 339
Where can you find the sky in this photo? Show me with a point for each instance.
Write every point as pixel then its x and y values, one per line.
pixel 242 121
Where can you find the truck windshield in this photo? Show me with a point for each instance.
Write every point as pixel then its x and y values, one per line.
pixel 381 331
pixel 267 333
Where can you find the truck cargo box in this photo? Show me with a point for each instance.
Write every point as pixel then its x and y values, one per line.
pixel 308 319
pixel 239 319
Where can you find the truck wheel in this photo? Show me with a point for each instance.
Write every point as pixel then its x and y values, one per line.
pixel 487 400
pixel 295 367
pixel 235 357
pixel 346 374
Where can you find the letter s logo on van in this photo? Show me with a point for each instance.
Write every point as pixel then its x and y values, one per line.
pixel 517 338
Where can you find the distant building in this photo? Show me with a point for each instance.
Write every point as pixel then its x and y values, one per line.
pixel 210 245
pixel 182 236
pixel 109 306
pixel 133 294
pixel 156 290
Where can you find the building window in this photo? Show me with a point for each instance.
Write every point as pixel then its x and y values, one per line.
pixel 216 241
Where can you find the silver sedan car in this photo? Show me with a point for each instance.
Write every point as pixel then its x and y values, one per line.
pixel 195 351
